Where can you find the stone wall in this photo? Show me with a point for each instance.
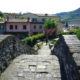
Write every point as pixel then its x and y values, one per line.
pixel 11 47
pixel 66 46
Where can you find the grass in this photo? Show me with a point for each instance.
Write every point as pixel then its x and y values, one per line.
pixel 39 47
pixel 54 42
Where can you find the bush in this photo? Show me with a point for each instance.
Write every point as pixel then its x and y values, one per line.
pixel 31 41
pixel 74 31
pixel 1 19
pixel 65 33
pixel 54 42
pixel 78 34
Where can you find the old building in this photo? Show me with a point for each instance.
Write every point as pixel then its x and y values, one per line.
pixel 74 23
pixel 32 24
pixel 2 27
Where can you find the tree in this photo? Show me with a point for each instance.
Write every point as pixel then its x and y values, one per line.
pixel 50 27
pixel 1 14
pixel 22 17
pixel 50 23
pixel 1 19
pixel 66 25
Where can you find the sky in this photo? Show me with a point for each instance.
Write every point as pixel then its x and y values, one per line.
pixel 38 6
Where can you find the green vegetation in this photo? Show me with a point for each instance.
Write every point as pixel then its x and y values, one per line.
pixel 1 14
pixel 77 32
pixel 22 17
pixel 65 33
pixel 50 26
pixel 31 41
pixel 67 16
pixel 40 46
pixel 74 31
pixel 76 27
pixel 54 42
pixel 66 24
pixel 50 23
pixel 1 19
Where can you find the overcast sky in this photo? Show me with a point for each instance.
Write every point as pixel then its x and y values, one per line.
pixel 39 6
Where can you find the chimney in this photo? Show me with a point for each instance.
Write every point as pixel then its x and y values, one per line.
pixel 7 18
pixel 46 14
pixel 28 19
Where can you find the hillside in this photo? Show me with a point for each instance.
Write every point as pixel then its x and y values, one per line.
pixel 72 15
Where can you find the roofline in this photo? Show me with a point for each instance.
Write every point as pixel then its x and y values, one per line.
pixel 28 22
pixel 49 16
pixel 17 22
pixel 74 20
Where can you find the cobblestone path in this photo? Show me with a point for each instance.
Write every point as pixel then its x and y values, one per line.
pixel 34 67
pixel 44 50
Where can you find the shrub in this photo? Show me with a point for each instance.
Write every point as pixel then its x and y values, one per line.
pixel 1 19
pixel 78 34
pixel 54 42
pixel 65 33
pixel 74 31
pixel 31 41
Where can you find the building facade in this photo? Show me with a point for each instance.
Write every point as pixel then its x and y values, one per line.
pixel 74 23
pixel 2 27
pixel 32 24
pixel 23 26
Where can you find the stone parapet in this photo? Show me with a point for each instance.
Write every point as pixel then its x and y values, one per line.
pixel 11 47
pixel 65 49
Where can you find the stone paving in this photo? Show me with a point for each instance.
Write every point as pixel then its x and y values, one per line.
pixel 34 67
pixel 44 50
pixel 73 43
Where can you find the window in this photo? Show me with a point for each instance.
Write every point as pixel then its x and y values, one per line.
pixel 11 26
pixel 34 19
pixel 34 26
pixel 1 27
pixel 15 26
pixel 40 26
pixel 43 20
pixel 24 27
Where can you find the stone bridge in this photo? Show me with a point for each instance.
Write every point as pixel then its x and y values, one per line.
pixel 63 64
pixel 26 66
pixel 11 47
pixel 67 50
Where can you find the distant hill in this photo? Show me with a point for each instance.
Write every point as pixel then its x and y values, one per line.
pixel 72 15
